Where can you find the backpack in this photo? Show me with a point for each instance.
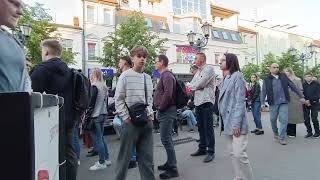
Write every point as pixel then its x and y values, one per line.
pixel 181 95
pixel 81 91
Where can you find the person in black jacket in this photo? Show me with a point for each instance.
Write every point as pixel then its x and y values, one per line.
pixel 311 90
pixel 256 104
pixel 53 76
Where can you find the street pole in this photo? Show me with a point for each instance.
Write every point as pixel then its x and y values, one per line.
pixel 83 39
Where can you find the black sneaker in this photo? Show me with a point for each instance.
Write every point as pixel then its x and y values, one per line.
pixel 163 167
pixel 316 135
pixel 199 153
pixel 168 174
pixel 132 164
pixel 308 135
pixel 259 132
pixel 254 131
pixel 94 153
pixel 191 130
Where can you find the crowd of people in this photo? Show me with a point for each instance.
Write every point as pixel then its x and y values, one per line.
pixel 137 104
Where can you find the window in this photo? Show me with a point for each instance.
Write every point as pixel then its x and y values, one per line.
pixel 225 35
pixel 107 17
pixel 91 51
pixel 234 37
pixel 176 27
pixel 67 44
pixel 148 22
pixel 90 14
pixel 162 25
pixel 216 34
pixel 190 6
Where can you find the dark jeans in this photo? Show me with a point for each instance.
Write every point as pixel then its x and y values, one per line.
pixel 256 112
pixel 71 157
pixel 291 129
pixel 204 114
pixel 166 120
pixel 99 140
pixel 314 116
pixel 76 143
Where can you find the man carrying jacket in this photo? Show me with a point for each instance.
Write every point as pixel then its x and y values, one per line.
pixel 276 89
pixel 164 100
pixel 53 76
pixel 311 91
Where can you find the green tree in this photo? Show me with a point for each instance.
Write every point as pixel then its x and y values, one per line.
pixel 289 61
pixel 248 70
pixel 131 32
pixel 316 71
pixel 264 67
pixel 42 28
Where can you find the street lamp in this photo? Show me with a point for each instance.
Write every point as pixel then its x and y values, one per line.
pixel 303 56
pixel 202 40
pixel 22 33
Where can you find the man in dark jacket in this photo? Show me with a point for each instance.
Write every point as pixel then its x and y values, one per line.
pixel 311 90
pixel 164 100
pixel 276 89
pixel 53 76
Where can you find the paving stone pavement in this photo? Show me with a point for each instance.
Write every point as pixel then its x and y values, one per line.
pixel 299 160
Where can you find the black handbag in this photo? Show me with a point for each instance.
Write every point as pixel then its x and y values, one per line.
pixel 138 112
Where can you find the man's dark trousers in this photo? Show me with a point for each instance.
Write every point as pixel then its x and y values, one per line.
pixel 204 114
pixel 71 157
pixel 314 116
pixel 166 119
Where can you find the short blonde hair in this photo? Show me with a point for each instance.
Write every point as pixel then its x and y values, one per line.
pixel 53 45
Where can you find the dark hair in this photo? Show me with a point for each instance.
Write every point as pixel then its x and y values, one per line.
pixel 54 46
pixel 194 66
pixel 164 59
pixel 127 59
pixel 139 50
pixel 232 62
pixel 203 55
pixel 255 75
pixel 308 73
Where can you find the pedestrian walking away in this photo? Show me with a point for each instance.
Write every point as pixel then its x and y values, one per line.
pixel 276 88
pixel 164 100
pixel 203 85
pixel 133 101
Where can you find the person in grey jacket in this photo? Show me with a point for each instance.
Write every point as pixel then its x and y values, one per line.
pixel 98 104
pixel 233 113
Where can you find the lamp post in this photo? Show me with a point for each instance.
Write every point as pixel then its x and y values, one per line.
pixel 202 39
pixel 304 56
pixel 22 33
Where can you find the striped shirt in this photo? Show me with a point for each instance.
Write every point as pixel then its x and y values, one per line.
pixel 130 90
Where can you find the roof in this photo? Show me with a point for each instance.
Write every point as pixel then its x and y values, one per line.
pixel 68 26
pixel 246 30
pixel 106 2
pixel 218 11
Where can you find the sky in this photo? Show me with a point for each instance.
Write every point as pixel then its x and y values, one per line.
pixel 304 13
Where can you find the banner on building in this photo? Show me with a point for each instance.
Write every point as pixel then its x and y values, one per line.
pixel 186 54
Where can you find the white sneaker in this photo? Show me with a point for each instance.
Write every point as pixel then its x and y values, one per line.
pixel 78 162
pixel 98 166
pixel 107 163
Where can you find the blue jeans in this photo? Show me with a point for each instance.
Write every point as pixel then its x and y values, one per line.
pixel 280 110
pixel 75 141
pixel 189 116
pixel 257 114
pixel 99 141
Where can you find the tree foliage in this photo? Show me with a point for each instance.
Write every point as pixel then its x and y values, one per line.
pixel 289 61
pixel 131 32
pixel 42 28
pixel 264 67
pixel 248 70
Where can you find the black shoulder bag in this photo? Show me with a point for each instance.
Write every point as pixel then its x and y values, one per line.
pixel 138 112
